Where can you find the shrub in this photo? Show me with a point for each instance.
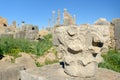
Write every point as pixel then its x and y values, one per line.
pixel 43 45
pixel 111 60
pixel 14 53
pixel 38 64
pixel 7 44
pixel 12 46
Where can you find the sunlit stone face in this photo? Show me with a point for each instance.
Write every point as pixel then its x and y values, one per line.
pixel 80 49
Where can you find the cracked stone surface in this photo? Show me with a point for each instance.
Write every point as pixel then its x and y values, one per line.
pixel 56 72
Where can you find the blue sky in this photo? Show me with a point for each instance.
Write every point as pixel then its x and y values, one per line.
pixel 38 12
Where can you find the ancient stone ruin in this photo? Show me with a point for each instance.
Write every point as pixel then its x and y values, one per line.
pixel 80 48
pixel 26 31
pixel 106 28
pixel 116 24
pixel 3 22
pixel 67 18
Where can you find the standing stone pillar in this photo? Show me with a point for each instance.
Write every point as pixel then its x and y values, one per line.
pixel 116 23
pixel 58 18
pixel 53 18
pixel 14 24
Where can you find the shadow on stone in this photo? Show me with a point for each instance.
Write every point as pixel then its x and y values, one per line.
pixel 62 64
pixel 1 56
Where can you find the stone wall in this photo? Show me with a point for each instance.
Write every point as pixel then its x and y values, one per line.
pixel 30 31
pixel 116 23
pixel 20 34
pixel 26 31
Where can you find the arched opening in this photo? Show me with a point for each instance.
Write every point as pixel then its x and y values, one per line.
pixel 33 28
pixel 5 25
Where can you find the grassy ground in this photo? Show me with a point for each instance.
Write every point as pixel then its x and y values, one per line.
pixel 12 46
pixel 111 60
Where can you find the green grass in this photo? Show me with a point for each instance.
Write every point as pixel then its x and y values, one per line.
pixel 47 61
pixel 111 60
pixel 44 45
pixel 38 64
pixel 12 46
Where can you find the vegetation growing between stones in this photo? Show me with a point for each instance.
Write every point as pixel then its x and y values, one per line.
pixel 47 61
pixel 111 60
pixel 10 46
pixel 43 45
pixel 38 64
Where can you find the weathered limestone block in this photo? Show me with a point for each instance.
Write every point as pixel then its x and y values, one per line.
pixel 80 48
pixel 55 72
pixel 102 21
pixel 25 60
pixel 116 23
pixel 9 71
pixel 3 22
pixel 112 40
pixel 105 31
pixel 6 58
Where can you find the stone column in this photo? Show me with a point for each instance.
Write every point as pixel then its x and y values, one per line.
pixel 14 24
pixel 58 18
pixel 53 18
